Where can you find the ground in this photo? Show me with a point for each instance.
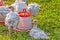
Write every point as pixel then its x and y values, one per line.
pixel 48 20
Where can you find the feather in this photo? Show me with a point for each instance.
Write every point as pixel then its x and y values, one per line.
pixel 12 19
pixel 4 10
pixel 34 8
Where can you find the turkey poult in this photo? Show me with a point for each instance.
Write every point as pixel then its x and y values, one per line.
pixel 34 8
pixel 12 19
pixel 37 33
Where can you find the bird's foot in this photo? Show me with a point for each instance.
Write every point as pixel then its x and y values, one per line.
pixel 18 30
pixel 28 30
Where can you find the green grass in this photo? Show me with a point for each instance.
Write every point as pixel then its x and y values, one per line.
pixel 48 20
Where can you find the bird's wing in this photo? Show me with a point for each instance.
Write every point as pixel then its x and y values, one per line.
pixel 34 8
pixel 4 10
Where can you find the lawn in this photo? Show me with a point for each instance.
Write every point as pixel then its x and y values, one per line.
pixel 48 20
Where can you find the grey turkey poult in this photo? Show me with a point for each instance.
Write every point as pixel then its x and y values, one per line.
pixel 12 19
pixel 38 33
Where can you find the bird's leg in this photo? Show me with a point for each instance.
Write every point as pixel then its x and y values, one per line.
pixel 9 29
pixel 28 30
pixel 17 29
pixel 14 29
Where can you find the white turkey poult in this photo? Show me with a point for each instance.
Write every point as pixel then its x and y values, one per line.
pixel 12 19
pixel 38 33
